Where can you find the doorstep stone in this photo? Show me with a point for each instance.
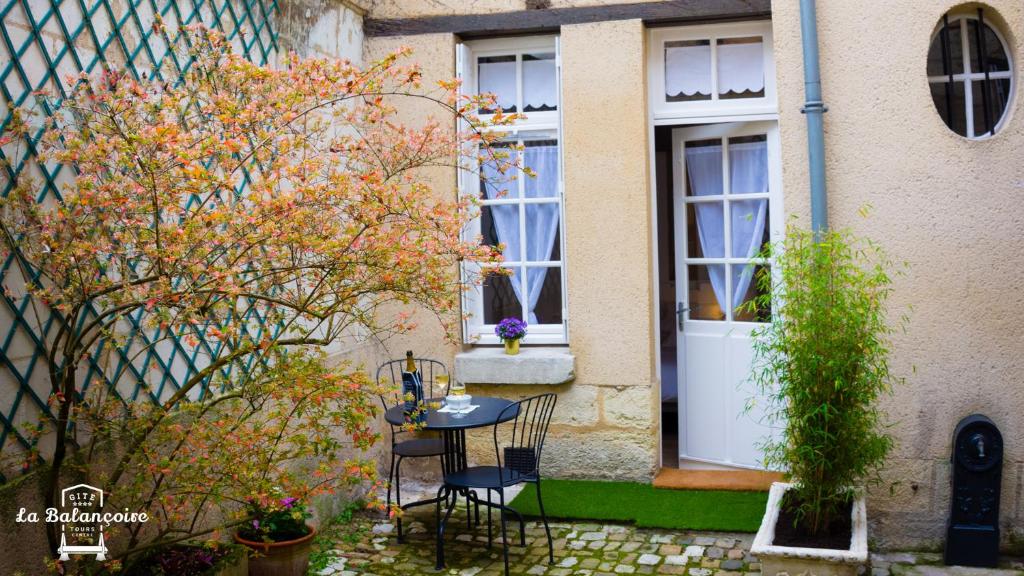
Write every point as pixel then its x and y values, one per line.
pixel 548 365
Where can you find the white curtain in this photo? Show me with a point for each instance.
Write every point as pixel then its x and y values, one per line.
pixel 542 222
pixel 498 78
pixel 688 69
pixel 748 174
pixel 539 83
pixel 740 67
pixel 541 219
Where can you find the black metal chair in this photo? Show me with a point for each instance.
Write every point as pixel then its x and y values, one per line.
pixel 414 447
pixel 525 426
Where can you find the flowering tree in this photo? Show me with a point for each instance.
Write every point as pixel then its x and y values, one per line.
pixel 240 197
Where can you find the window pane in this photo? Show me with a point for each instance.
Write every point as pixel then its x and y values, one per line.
pixel 501 299
pixel 740 68
pixel 540 83
pixel 542 157
pixel 705 230
pixel 500 224
pixel 704 168
pixel 545 288
pixel 951 108
pixel 493 184
pixel 995 58
pixel 706 291
pixel 746 286
pixel 998 93
pixel 688 70
pixel 749 227
pixel 935 67
pixel 541 231
pixel 748 164
pixel 497 75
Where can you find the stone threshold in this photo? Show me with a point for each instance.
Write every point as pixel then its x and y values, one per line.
pixel 743 480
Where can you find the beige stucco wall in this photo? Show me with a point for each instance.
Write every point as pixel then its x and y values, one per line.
pixel 941 203
pixel 605 424
pixel 945 205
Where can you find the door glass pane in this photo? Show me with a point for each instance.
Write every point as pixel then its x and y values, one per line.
pixel 748 164
pixel 541 156
pixel 545 291
pixel 746 288
pixel 705 227
pixel 706 291
pixel 540 83
pixel 687 70
pixel 501 299
pixel 541 231
pixel 749 225
pixel 740 68
pixel 703 168
pixel 500 224
pixel 497 75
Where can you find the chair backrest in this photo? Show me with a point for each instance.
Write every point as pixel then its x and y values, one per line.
pixel 524 434
pixel 390 374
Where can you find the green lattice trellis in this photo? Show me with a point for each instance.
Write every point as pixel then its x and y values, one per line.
pixel 43 44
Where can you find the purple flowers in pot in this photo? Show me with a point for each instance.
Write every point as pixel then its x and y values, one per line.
pixel 510 329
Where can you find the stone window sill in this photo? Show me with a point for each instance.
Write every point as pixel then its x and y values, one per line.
pixel 533 365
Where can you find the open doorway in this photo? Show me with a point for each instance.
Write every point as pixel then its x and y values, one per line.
pixel 667 354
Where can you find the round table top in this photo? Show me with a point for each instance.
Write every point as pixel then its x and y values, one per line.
pixel 485 415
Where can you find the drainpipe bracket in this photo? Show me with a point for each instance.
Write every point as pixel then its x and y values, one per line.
pixel 815 107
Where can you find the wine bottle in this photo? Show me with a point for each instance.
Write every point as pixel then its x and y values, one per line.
pixel 412 385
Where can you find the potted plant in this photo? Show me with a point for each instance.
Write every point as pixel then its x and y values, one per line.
pixel 207 559
pixel 279 534
pixel 511 331
pixel 822 360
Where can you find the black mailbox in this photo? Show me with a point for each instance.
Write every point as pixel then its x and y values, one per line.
pixel 972 537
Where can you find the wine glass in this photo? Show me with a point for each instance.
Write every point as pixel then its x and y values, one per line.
pixel 457 388
pixel 442 381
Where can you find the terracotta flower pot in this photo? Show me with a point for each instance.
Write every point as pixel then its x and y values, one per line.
pixel 287 558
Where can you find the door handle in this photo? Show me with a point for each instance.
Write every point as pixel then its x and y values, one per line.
pixel 680 310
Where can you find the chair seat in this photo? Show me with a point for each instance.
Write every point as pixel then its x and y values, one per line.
pixel 486 477
pixel 420 447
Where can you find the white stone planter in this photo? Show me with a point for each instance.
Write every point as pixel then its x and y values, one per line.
pixel 794 561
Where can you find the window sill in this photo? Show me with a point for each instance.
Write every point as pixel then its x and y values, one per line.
pixel 531 366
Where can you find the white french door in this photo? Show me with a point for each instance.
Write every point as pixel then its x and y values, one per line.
pixel 727 204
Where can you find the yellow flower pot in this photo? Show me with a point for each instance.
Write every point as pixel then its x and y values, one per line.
pixel 511 347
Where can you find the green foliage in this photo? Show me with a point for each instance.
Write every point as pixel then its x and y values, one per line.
pixel 823 360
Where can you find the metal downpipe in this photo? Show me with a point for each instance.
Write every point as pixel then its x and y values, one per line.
pixel 814 108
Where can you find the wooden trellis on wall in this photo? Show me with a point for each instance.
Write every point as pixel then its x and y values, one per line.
pixel 43 44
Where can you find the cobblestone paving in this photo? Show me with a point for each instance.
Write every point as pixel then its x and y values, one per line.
pixel 583 549
pixel 368 546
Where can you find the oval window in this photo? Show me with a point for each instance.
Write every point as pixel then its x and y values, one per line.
pixel 969 73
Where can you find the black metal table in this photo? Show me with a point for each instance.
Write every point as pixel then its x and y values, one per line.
pixel 453 426
pixel 453 431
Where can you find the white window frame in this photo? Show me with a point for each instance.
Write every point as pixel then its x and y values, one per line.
pixel 968 76
pixel 738 109
pixel 545 125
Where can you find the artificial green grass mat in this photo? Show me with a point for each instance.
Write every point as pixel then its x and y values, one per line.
pixel 645 505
